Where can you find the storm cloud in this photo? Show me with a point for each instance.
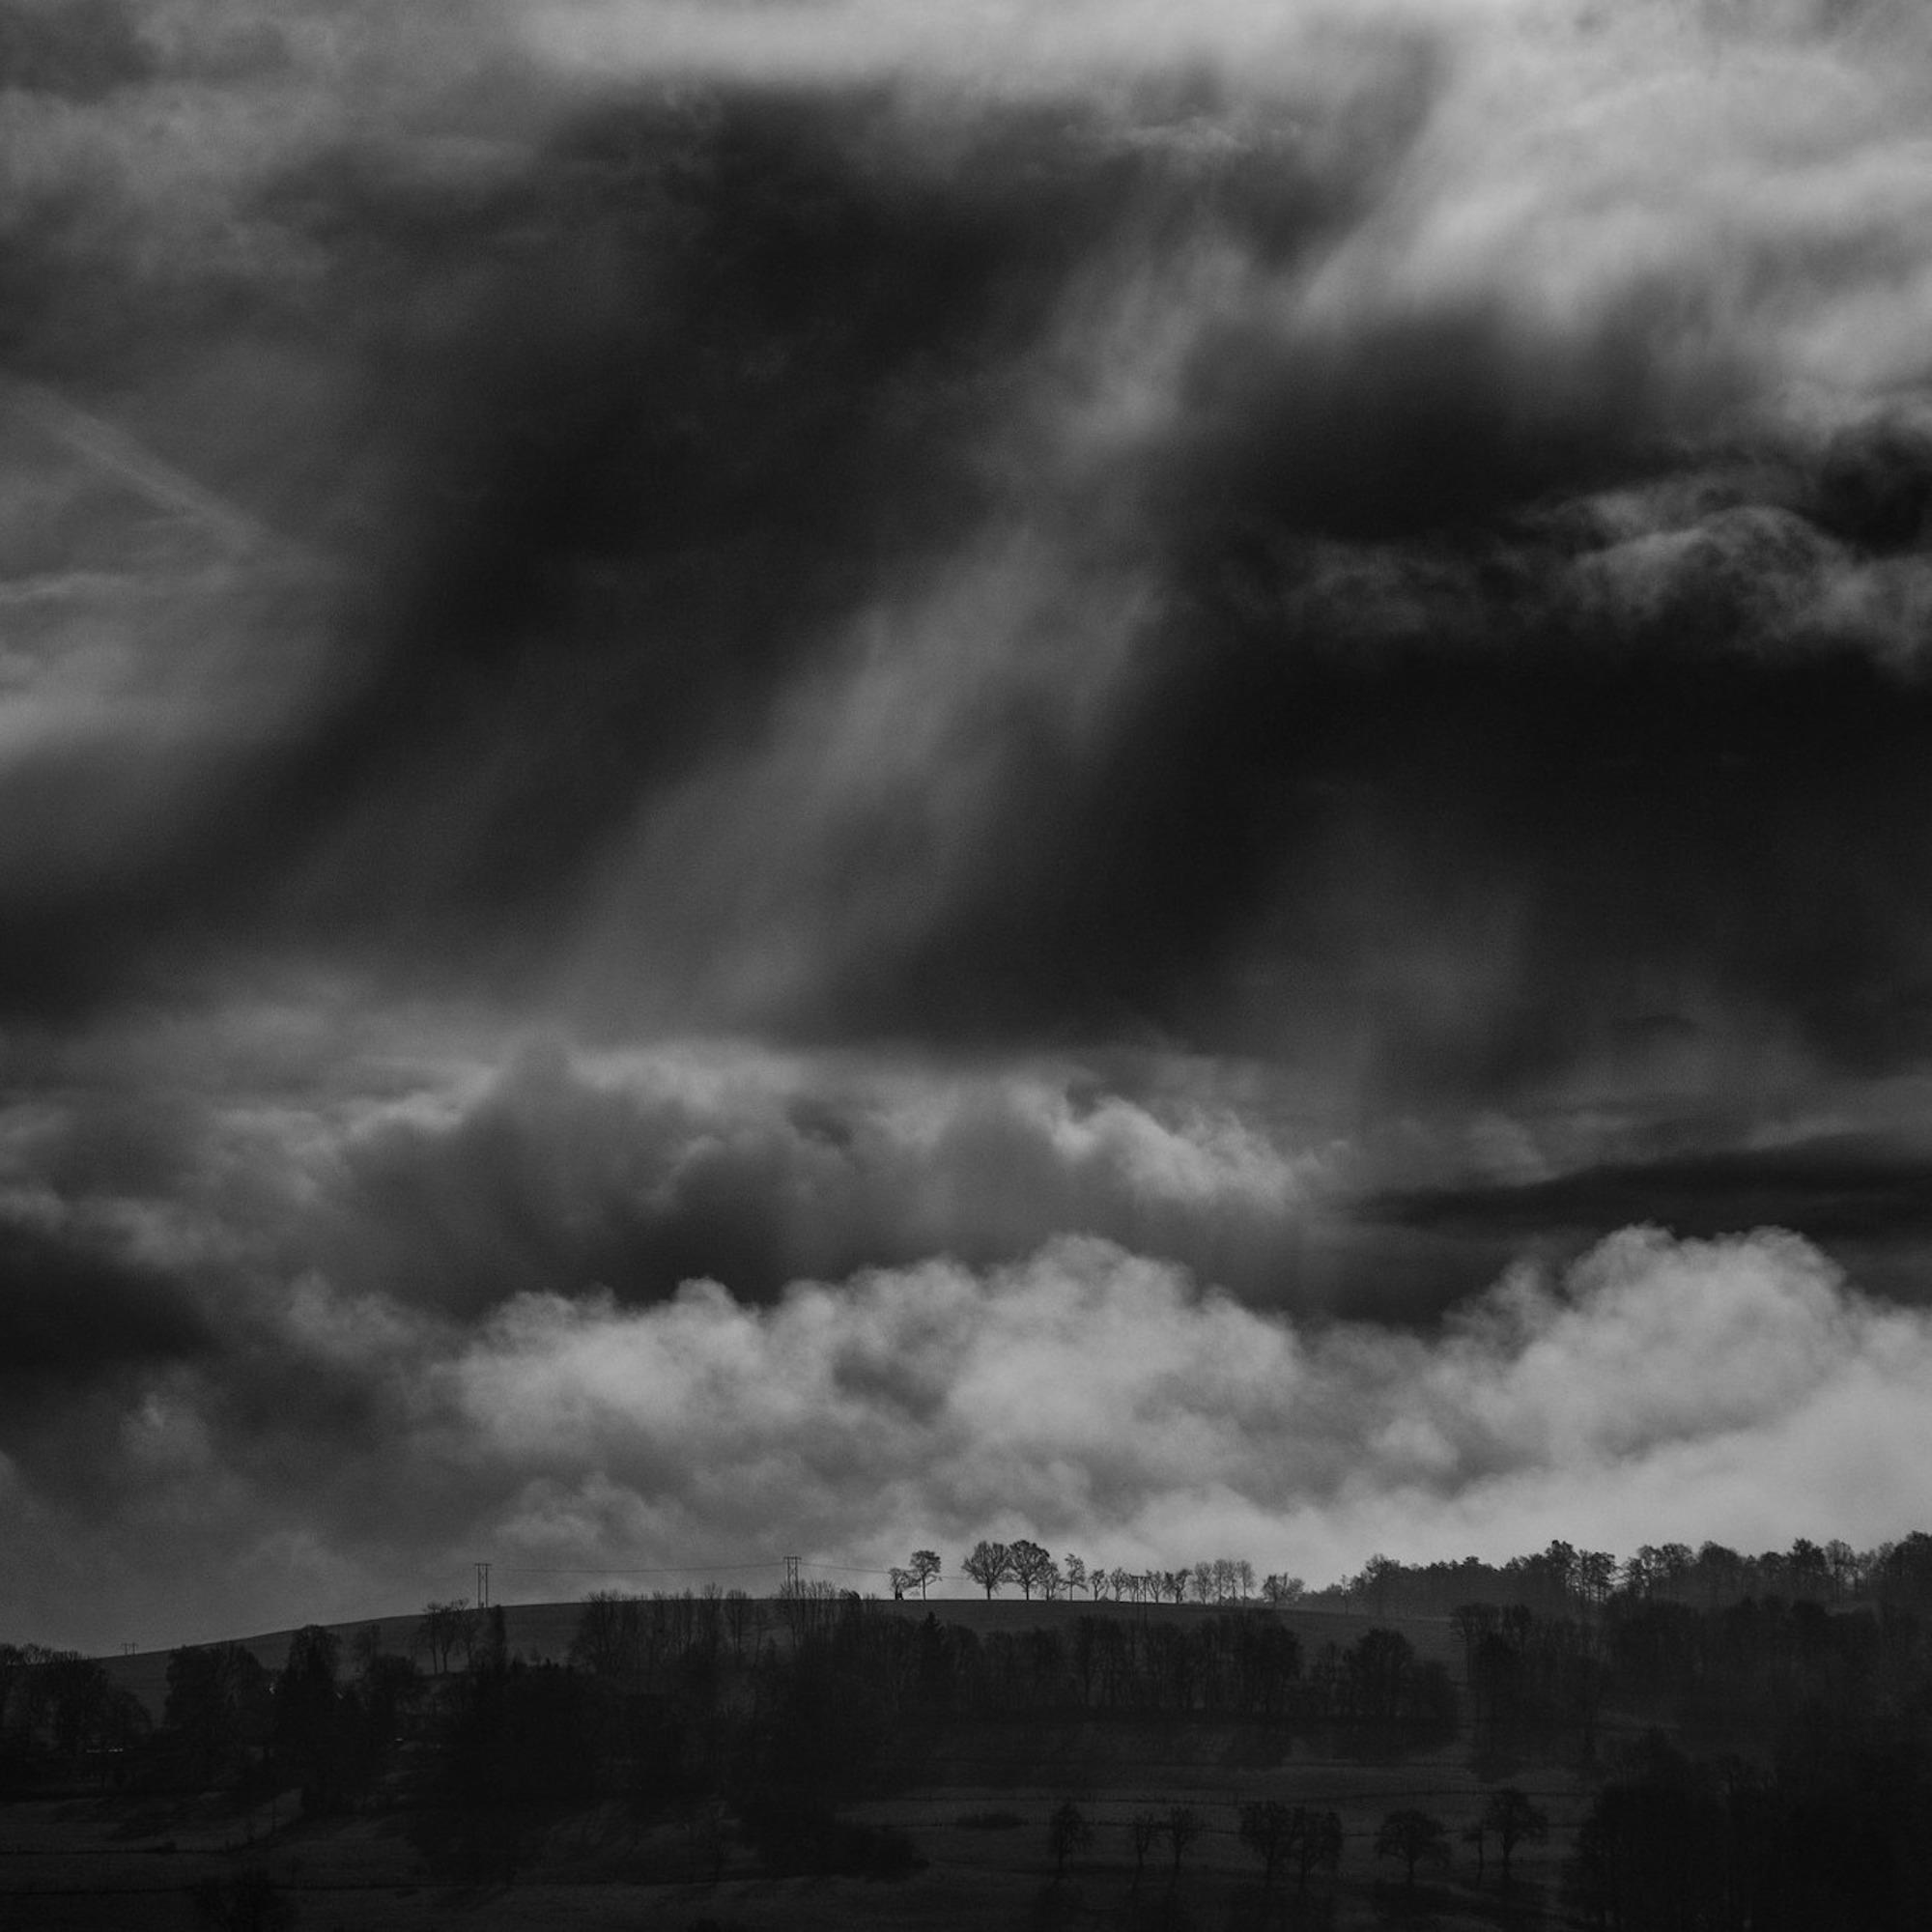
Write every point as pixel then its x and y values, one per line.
pixel 1226 675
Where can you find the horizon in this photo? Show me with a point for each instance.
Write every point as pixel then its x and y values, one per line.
pixel 1343 1595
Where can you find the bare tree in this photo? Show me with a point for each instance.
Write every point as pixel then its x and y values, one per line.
pixel 1033 1568
pixel 925 1569
pixel 609 1640
pixel 1183 1826
pixel 1067 1831
pixel 1478 1834
pixel 1316 1843
pixel 440 1630
pixel 1515 1821
pixel 741 1618
pixel 1415 1838
pixel 989 1565
pixel 1268 1830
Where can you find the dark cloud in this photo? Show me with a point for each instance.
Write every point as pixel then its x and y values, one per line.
pixel 71 1315
pixel 1846 1184
pixel 648 414
pixel 1600 811
pixel 1859 1197
pixel 556 1183
pixel 700 383
pixel 1124 698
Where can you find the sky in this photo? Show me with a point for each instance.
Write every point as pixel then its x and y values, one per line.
pixel 793 778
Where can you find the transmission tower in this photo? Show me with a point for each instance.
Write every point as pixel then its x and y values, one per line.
pixel 791 1576
pixel 482 1586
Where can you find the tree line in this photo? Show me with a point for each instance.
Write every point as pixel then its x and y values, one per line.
pixel 1036 1573
pixel 1563 1580
pixel 1558 1580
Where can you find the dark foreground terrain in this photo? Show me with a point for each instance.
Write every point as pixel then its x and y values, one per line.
pixel 822 1761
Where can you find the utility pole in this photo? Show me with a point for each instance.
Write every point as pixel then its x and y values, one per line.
pixel 482 1586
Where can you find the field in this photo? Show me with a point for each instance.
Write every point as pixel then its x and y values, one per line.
pixel 977 1817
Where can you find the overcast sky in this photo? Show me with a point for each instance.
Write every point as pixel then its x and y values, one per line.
pixel 807 777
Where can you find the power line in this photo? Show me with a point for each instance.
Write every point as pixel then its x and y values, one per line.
pixel 632 1570
pixel 691 1569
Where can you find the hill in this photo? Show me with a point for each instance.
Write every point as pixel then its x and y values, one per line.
pixel 541 1632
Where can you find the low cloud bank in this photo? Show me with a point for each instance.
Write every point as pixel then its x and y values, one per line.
pixel 1658 1389
pixel 1090 1396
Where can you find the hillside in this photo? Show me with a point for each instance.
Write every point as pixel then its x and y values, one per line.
pixel 543 1630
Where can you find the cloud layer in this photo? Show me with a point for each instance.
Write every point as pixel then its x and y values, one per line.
pixel 1194 677
pixel 1085 1396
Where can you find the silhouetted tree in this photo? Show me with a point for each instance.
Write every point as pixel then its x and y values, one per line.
pixel 1032 1567
pixel 218 1700
pixel 1183 1826
pixel 1515 1821
pixel 1314 1843
pixel 741 1619
pixel 989 1565
pixel 1067 1831
pixel 510 1741
pixel 1144 1830
pixel 440 1631
pixel 609 1640
pixel 925 1569
pixel 307 1734
pixel 1478 1834
pixel 1381 1582
pixel 388 1688
pixel 1266 1827
pixel 1472 1622
pixel 1415 1838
